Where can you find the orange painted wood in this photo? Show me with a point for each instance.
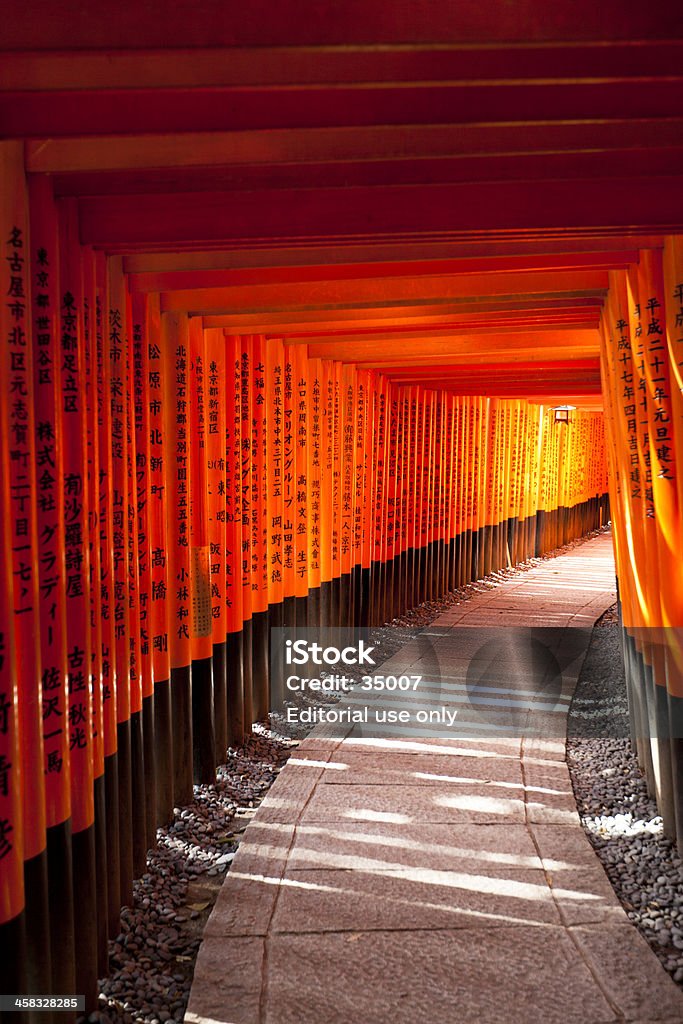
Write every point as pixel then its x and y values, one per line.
pixel 184 280
pixel 175 368
pixel 141 493
pixel 193 67
pixel 21 742
pixel 47 364
pixel 381 291
pixel 215 411
pixel 245 472
pixel 275 383
pixel 234 598
pixel 259 488
pixel 93 340
pixel 314 470
pixel 302 439
pixel 161 589
pixel 534 208
pixel 360 24
pixel 105 509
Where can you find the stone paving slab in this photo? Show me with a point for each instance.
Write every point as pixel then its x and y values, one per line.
pixel 440 879
pixel 629 971
pixel 228 982
pixel 410 805
pixel 580 887
pixel 422 770
pixel 371 897
pixel 484 746
pixel 387 845
pixel 466 976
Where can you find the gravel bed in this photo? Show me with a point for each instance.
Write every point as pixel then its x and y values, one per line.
pixel 620 819
pixel 152 959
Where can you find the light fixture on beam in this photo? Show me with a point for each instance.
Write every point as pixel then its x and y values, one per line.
pixel 562 413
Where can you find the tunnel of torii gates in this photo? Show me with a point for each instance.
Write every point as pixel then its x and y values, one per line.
pixel 172 487
pixel 171 490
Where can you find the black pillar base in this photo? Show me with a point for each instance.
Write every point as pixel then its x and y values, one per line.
pixel 163 737
pixel 181 718
pixel 220 701
pixel 260 664
pixel 125 791
pixel 85 899
pixel 14 963
pixel 301 612
pixel 203 733
pixel 325 603
pixel 313 608
pixel 138 805
pixel 61 897
pixel 112 821
pixel 102 862
pixel 150 761
pixel 247 677
pixel 234 652
pixel 37 925
pixel 345 599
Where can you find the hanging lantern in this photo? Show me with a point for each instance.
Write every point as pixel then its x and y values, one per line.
pixel 562 413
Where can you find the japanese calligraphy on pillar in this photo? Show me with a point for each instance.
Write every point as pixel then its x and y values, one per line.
pixel 673 285
pixel 18 442
pixel 11 825
pixel 141 410
pixel 134 666
pixel 301 440
pixel 200 590
pixel 216 477
pixel 275 390
pixel 380 464
pixel 634 399
pixel 92 478
pixel 233 492
pixel 76 520
pixel 105 511
pixel 392 444
pixel 50 503
pixel 246 471
pixel 657 371
pixel 289 476
pixel 174 368
pixel 119 491
pixel 315 472
pixel 259 478
pixel 348 454
pixel 361 412
pixel 326 417
pixel 335 429
pixel 158 620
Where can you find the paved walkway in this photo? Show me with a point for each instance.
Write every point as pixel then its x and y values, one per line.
pixel 433 880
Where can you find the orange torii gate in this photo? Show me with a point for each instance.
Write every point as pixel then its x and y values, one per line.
pixel 287 303
pixel 171 492
pixel 642 339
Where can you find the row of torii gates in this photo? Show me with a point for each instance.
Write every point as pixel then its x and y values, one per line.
pixel 285 334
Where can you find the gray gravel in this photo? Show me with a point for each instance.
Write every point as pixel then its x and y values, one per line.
pixel 619 817
pixel 152 959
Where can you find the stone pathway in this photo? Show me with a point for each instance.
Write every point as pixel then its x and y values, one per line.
pixel 436 879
